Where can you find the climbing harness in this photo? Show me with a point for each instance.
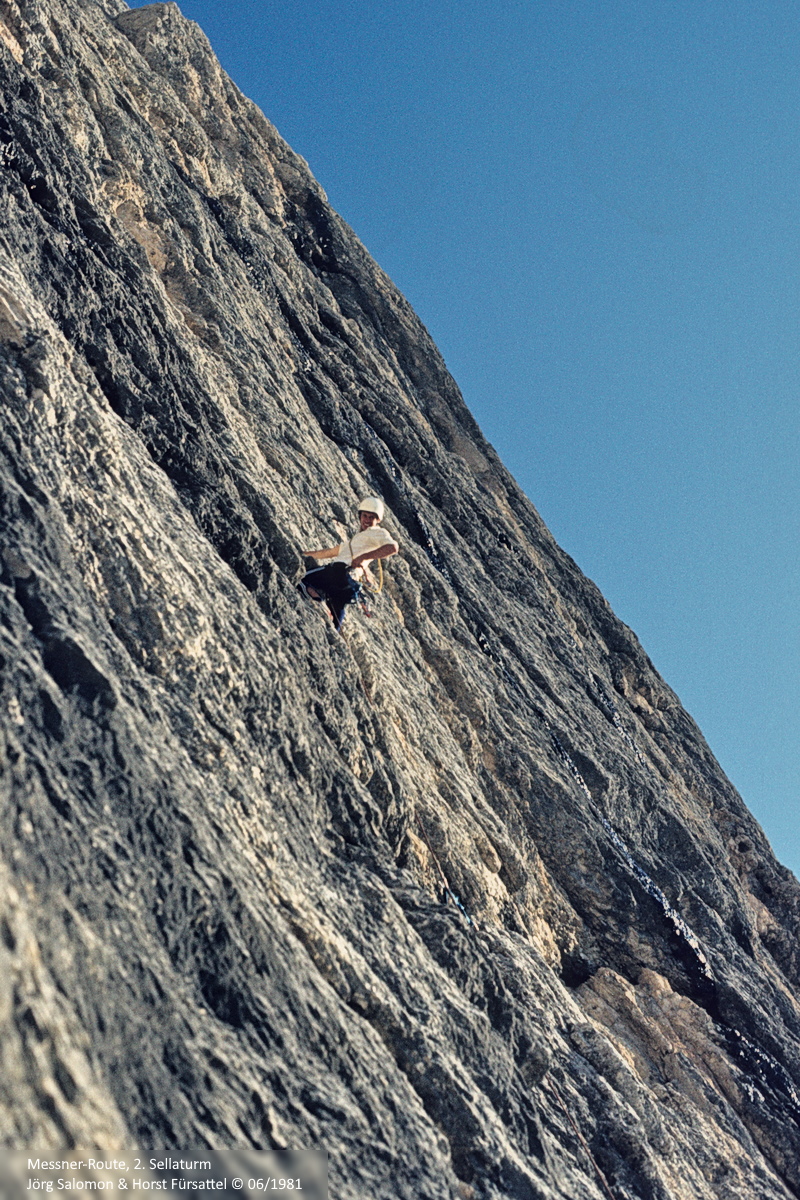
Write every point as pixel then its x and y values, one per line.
pixel 357 592
pixel 448 896
pixel 362 592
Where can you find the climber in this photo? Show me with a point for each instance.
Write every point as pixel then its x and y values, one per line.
pixel 340 581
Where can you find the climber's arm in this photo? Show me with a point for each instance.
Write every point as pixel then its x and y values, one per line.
pixel 331 552
pixel 384 551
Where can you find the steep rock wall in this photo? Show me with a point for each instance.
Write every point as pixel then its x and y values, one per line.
pixel 224 827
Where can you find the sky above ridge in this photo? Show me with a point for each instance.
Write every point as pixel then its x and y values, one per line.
pixel 594 207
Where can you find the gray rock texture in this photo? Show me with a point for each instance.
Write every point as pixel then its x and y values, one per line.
pixel 225 829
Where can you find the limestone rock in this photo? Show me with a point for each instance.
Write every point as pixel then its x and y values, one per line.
pixel 225 829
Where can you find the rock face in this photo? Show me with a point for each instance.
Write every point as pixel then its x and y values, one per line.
pixel 226 829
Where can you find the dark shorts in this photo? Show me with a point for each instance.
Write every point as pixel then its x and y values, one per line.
pixel 333 584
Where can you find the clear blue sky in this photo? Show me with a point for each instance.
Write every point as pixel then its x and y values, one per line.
pixel 595 209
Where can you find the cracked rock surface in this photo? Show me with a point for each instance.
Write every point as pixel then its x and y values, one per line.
pixel 225 829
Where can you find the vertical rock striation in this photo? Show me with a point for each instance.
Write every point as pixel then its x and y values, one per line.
pixel 224 828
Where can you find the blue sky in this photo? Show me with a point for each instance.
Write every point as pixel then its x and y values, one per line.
pixel 594 206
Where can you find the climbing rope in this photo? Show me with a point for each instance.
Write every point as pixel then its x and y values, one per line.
pixel 581 1138
pixel 376 591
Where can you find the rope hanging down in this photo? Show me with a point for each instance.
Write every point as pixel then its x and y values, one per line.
pixel 581 1139
pixel 376 591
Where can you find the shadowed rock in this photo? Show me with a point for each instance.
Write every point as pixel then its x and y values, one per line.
pixel 226 830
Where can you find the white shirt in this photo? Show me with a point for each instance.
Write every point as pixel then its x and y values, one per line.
pixel 362 543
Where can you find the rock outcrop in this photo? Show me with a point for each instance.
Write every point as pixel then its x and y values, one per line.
pixel 226 829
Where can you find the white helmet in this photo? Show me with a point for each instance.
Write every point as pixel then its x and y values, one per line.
pixel 371 504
